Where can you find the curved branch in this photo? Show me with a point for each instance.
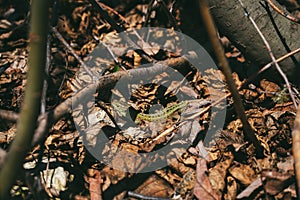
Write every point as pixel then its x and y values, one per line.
pixel 281 12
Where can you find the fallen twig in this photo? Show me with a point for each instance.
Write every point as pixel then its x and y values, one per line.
pixel 60 37
pixel 223 64
pixel 267 66
pixel 119 29
pixel 283 13
pixel 8 115
pixel 46 121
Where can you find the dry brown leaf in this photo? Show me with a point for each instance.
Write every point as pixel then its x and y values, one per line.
pixel 155 186
pixel 203 188
pixel 275 182
pixel 217 174
pixel 231 189
pixel 286 165
pixel 250 189
pixel 244 173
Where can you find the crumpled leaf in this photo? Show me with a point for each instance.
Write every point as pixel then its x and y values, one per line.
pixel 218 172
pixel 250 189
pixel 243 173
pixel 203 188
pixel 231 188
pixel 55 179
pixel 275 182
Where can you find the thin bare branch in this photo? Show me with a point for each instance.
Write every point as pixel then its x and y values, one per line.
pixel 267 66
pixel 60 37
pixel 223 64
pixel 148 13
pixel 120 28
pixel 169 14
pixel 141 196
pixel 46 120
pixel 283 13
pixel 278 32
pixel 270 53
pixel 8 115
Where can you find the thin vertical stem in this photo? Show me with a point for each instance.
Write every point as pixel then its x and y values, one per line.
pixel 223 64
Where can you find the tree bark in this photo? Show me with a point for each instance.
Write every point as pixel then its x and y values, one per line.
pixel 232 22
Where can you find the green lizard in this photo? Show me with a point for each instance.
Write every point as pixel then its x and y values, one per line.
pixel 160 115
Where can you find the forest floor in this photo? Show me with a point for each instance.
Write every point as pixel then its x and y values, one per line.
pixel 101 151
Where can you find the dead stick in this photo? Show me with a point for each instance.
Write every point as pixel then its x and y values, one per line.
pixel 212 32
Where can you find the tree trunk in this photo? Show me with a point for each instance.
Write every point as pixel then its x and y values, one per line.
pixel 231 21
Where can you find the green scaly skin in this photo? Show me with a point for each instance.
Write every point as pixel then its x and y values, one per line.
pixel 160 115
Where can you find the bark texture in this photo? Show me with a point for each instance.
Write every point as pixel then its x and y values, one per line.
pixel 231 21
